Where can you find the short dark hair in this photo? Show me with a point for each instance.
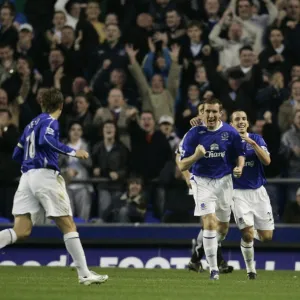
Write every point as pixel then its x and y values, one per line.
pixel 11 7
pixel 135 179
pixel 83 95
pixel 245 48
pixel 214 101
pixel 68 27
pixel 148 112
pixel 52 100
pixel 4 45
pixel 235 111
pixel 74 122
pixel 195 23
pixel 5 110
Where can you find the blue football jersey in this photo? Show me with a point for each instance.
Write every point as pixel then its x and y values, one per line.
pixel 223 146
pixel 39 145
pixel 253 176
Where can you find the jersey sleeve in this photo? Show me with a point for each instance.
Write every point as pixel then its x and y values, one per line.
pixel 49 137
pixel 188 145
pixel 261 142
pixel 18 153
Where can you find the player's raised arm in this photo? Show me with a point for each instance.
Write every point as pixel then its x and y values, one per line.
pixel 19 150
pixel 260 149
pixel 190 151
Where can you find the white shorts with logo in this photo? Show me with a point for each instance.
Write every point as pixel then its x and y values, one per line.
pixel 213 196
pixel 253 208
pixel 42 193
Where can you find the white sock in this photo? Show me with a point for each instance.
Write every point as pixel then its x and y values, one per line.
pixel 210 244
pixel 248 254
pixel 256 235
pixel 74 247
pixel 199 240
pixel 7 237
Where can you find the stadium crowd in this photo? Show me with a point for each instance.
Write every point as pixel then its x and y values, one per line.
pixel 133 73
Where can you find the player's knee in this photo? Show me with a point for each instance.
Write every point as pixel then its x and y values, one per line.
pixel 266 236
pixel 248 236
pixel 65 224
pixel 22 233
pixel 223 229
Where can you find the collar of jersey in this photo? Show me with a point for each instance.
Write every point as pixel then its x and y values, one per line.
pixel 221 124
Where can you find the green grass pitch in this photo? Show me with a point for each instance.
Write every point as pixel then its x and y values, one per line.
pixel 46 283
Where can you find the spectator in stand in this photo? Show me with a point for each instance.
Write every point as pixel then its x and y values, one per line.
pixel 110 161
pixel 8 33
pixel 239 34
pixel 9 169
pixel 132 203
pixel 53 35
pixel 73 168
pixel 71 10
pixel 276 56
pixel 112 49
pixel 8 65
pixel 271 97
pixel 175 27
pixel 212 12
pixel 150 144
pixel 166 126
pixel 157 98
pixel 93 12
pixel 288 107
pixel 118 112
pixel 292 210
pixel 111 19
pixel 295 73
pixel 202 81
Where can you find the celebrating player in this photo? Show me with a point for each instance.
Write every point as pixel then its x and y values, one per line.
pixel 210 150
pixel 198 250
pixel 42 191
pixel 251 203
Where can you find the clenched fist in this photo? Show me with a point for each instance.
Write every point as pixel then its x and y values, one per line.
pixel 200 151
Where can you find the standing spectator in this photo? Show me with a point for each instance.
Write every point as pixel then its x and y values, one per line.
pixel 9 169
pixel 156 98
pixel 8 33
pixel 151 144
pixel 132 202
pixel 288 107
pixel 239 34
pixel 73 168
pixel 292 211
pixel 110 161
pixel 175 29
pixel 166 126
pixel 71 9
pixel 118 112
pixel 8 64
pixel 53 35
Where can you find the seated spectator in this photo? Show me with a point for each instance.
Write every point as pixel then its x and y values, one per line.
pixel 132 203
pixel 156 98
pixel 9 169
pixel 8 33
pixel 286 109
pixel 118 112
pixel 110 161
pixel 166 126
pixel 292 210
pixel 240 34
pixel 74 168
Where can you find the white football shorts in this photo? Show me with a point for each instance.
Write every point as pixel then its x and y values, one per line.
pixel 253 208
pixel 213 196
pixel 42 193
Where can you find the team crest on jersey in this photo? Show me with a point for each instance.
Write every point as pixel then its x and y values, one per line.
pixel 225 136
pixel 249 147
pixel 214 147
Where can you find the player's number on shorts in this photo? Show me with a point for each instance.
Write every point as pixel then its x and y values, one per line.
pixel 30 150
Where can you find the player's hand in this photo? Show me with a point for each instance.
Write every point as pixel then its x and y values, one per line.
pixel 195 121
pixel 97 172
pixel 237 172
pixel 200 151
pixel 82 154
pixel 114 176
pixel 248 140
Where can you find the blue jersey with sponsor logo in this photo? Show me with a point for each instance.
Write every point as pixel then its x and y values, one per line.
pixel 253 176
pixel 223 146
pixel 39 145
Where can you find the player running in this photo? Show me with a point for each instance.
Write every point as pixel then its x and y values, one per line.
pixel 197 248
pixel 42 191
pixel 251 203
pixel 210 150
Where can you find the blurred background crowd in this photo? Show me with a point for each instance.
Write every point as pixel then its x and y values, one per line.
pixel 133 73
